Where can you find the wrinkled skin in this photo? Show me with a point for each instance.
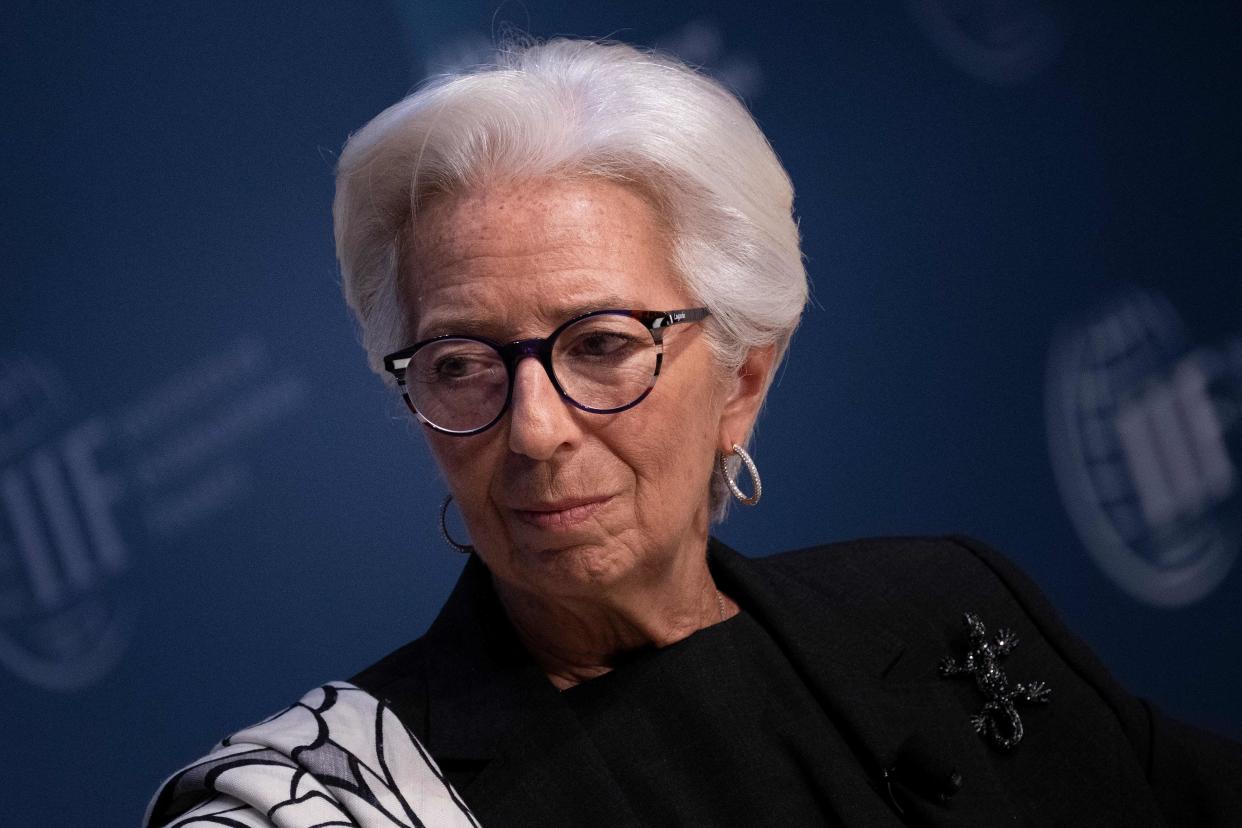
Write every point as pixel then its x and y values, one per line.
pixel 593 526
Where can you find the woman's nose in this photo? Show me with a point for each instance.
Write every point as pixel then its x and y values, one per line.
pixel 540 422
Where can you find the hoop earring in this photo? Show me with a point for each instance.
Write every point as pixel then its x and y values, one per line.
pixel 463 548
pixel 751 469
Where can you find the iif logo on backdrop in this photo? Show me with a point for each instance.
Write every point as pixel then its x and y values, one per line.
pixel 1144 431
pixel 83 494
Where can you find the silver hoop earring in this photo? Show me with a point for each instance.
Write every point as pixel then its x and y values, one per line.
pixel 751 469
pixel 463 548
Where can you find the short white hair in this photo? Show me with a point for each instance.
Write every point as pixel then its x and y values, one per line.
pixel 578 108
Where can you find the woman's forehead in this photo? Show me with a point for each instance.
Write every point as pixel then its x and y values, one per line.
pixel 536 253
pixel 535 217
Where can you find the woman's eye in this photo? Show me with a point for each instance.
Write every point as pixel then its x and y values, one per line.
pixel 459 367
pixel 601 343
pixel 452 367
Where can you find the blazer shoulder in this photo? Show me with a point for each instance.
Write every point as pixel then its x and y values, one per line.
pixel 877 551
pixel 918 568
pixel 921 585
pixel 399 663
pixel 933 579
pixel 400 680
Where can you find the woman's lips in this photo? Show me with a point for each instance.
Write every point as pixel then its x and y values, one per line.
pixel 566 515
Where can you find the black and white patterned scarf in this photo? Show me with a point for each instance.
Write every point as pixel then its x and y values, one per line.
pixel 339 757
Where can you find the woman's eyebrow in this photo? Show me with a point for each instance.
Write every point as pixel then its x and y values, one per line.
pixel 455 324
pixel 609 302
pixel 458 323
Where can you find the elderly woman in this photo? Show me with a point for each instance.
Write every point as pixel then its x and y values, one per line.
pixel 581 269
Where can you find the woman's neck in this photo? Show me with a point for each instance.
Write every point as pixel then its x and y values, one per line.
pixel 576 639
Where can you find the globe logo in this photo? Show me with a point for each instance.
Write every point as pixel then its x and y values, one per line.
pixel 63 622
pixel 1142 430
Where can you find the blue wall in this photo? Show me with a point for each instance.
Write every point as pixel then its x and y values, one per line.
pixel 1023 222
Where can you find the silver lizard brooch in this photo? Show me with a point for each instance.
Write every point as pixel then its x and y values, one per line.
pixel 999 719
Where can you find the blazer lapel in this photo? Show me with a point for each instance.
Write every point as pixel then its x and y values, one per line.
pixel 480 683
pixel 862 675
pixel 493 716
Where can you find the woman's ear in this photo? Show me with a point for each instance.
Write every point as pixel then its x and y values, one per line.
pixel 744 401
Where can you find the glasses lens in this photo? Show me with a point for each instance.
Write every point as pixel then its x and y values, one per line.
pixel 457 384
pixel 605 362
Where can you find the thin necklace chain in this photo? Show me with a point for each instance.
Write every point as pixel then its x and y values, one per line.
pixel 720 603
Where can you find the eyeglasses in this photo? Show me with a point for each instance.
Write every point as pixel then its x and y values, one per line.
pixel 603 362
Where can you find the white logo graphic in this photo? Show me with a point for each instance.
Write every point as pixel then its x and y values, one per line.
pixel 1143 431
pixel 997 41
pixel 81 491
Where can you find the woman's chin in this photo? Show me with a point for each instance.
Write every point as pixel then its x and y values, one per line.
pixel 568 565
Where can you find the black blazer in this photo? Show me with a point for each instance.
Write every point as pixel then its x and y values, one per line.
pixel 866 624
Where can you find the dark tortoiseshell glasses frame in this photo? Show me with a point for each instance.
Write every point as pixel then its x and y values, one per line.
pixel 656 322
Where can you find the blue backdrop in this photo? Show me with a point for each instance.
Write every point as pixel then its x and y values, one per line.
pixel 1023 223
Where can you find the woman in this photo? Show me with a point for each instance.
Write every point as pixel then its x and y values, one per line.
pixel 581 268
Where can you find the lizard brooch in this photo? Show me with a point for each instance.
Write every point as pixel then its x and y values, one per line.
pixel 999 719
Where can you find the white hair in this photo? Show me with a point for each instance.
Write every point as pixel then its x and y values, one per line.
pixel 576 108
